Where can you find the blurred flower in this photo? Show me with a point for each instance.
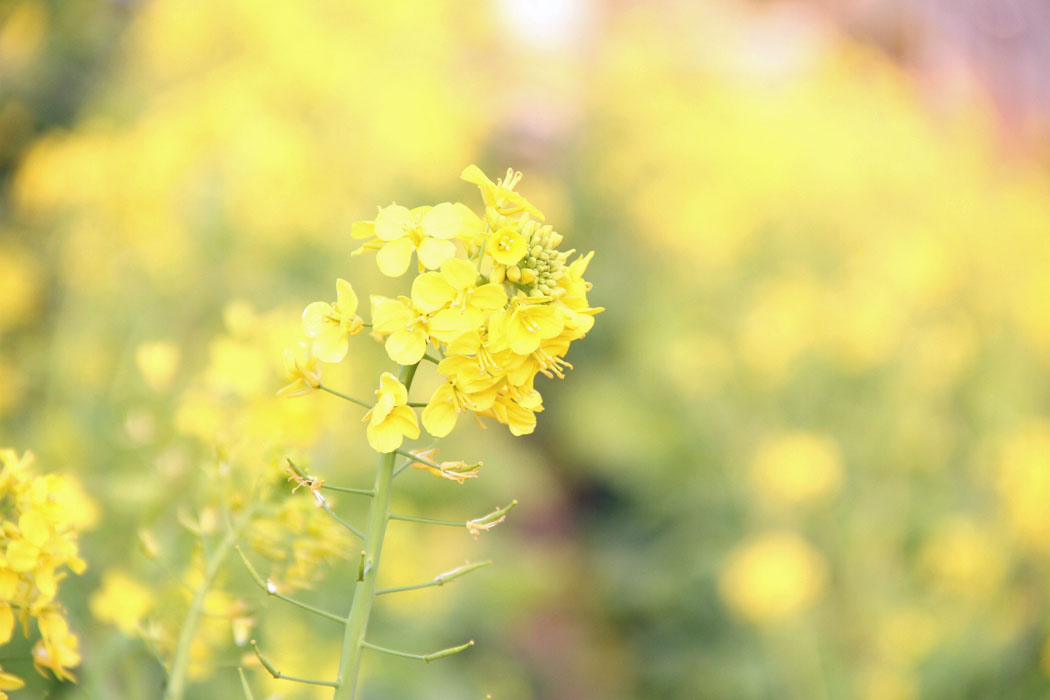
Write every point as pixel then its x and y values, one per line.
pixel 772 577
pixel 303 369
pixel 1023 482
pixel 797 468
pixel 121 601
pixel 157 361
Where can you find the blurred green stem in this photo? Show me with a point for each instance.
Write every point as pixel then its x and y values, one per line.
pixel 180 663
pixel 364 592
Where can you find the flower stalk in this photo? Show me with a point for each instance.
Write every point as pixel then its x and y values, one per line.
pixel 365 590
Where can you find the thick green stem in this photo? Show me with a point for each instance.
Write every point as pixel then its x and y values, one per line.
pixel 364 592
pixel 180 663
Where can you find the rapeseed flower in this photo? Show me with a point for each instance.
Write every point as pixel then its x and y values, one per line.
pixel 495 298
pixel 427 231
pixel 331 325
pixel 390 420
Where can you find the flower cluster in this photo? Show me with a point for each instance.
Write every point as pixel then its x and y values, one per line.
pixel 38 537
pixel 494 297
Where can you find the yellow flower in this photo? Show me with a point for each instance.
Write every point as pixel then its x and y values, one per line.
pixel 157 362
pixel 500 195
pixel 9 681
pixel 302 368
pixel 797 468
pixel 399 231
pixel 331 325
pixel 772 577
pixel 57 647
pixel 526 323
pixel 579 315
pixel 449 400
pixel 121 601
pixel 461 305
pixel 507 246
pixel 390 420
pixel 404 327
pixel 520 419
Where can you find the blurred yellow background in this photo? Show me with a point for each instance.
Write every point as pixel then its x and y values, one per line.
pixel 805 453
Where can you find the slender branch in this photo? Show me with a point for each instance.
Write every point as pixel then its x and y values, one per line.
pixel 428 358
pixel 425 658
pixel 328 509
pixel 307 478
pixel 411 460
pixel 417 458
pixel 418 404
pixel 280 676
pixel 244 685
pixel 341 395
pixel 271 590
pixel 428 521
pixel 180 662
pixel 439 580
pixel 345 489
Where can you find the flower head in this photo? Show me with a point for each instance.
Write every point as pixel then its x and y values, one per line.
pixel 427 231
pixel 390 421
pixel 331 325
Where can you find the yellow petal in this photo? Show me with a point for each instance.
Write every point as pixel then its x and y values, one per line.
pixel 384 437
pixel 430 291
pixel 363 229
pixel 22 555
pixel 346 297
pixel 440 414
pixel 391 222
pixel 389 315
pixel 7 625
pixel 331 345
pixel 489 297
pixel 406 347
pixel 434 251
pixel 9 681
pixel 394 257
pixel 34 527
pixel 461 274
pixel 442 221
pixel 315 318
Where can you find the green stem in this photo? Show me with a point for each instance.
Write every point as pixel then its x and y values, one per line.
pixel 341 395
pixel 180 663
pixel 427 521
pixel 364 591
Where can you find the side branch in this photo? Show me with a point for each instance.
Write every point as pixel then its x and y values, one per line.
pixel 439 580
pixel 314 483
pixel 271 590
pixel 425 658
pixel 280 676
pixel 341 395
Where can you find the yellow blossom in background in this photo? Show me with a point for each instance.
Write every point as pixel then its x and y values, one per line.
pixel 963 558
pixel 796 468
pixel 302 368
pixel 1022 481
pixel 122 601
pixel 772 577
pixel 157 361
pixel 23 30
pixel 21 285
pixel 39 537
